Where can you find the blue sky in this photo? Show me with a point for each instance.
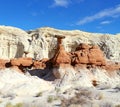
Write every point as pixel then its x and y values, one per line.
pixel 100 16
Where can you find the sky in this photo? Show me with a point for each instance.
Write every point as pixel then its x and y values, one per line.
pixel 98 16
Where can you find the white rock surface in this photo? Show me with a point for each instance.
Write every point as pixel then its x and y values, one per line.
pixel 40 43
pixel 13 42
pixel 18 84
pixel 18 88
pixel 32 91
pixel 84 77
pixel 46 43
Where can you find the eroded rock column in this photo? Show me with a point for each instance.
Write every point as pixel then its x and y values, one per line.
pixel 61 56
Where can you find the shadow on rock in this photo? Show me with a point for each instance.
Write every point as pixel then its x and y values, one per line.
pixel 45 74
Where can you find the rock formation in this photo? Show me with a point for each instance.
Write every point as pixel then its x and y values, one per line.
pixel 13 42
pixel 40 43
pixel 73 50
pixel 61 56
pixel 3 63
pixel 41 64
pixel 108 43
pixel 69 63
pixel 86 54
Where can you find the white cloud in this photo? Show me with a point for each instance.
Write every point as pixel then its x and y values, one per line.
pixel 105 22
pixel 62 3
pixel 111 12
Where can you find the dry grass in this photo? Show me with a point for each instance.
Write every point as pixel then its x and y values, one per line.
pixel 17 105
pixel 51 98
pixel 79 99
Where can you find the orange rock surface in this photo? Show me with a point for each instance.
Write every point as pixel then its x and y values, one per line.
pixel 61 57
pixel 86 54
pixel 3 63
pixel 21 61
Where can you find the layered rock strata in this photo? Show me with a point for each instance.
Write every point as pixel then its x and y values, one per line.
pixel 85 56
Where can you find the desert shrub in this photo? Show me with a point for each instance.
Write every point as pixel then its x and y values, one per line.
pixel 80 98
pixel 9 105
pixel 17 105
pixel 51 98
pixel 57 90
pixel 117 105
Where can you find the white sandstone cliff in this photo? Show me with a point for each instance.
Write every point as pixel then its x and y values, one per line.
pixel 46 43
pixel 40 43
pixel 13 42
pixel 17 88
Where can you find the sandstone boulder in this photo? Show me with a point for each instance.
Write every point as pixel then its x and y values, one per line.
pixel 21 61
pixel 86 54
pixel 15 62
pixel 41 64
pixel 96 56
pixel 26 61
pixel 3 63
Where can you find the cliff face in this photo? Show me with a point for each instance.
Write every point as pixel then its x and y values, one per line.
pixel 13 42
pixel 78 69
pixel 40 43
pixel 109 44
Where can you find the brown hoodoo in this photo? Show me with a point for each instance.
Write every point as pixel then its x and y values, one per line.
pixel 61 56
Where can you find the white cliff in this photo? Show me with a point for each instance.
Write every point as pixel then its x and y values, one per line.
pixel 40 43
pixel 47 43
pixel 75 82
pixel 13 42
